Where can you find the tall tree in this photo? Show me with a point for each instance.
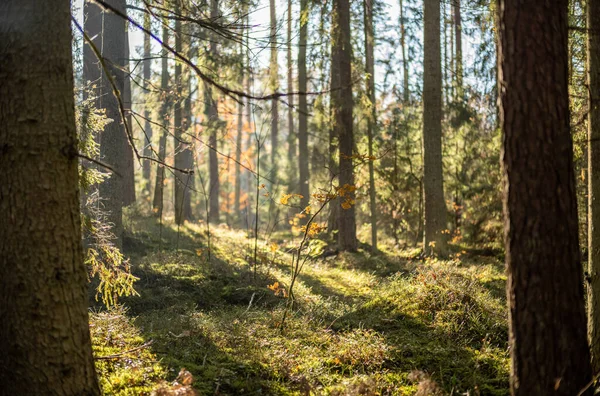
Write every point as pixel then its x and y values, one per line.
pixel 159 188
pixel 593 68
pixel 113 140
pixel 181 141
pixel 303 107
pixel 238 138
pixel 45 345
pixel 434 239
pixel 212 114
pixel 274 86
pixel 341 119
pixel 458 61
pixel 405 90
pixel 372 116
pixel 547 323
pixel 147 74
pixel 128 166
pixel 292 152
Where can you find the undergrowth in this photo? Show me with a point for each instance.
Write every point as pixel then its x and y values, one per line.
pixel 362 324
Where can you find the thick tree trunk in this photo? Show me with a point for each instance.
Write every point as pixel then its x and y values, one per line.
pixel 303 108
pixel 159 187
pixel 548 344
pixel 45 346
pixel 113 140
pixel 593 25
pixel 434 239
pixel 147 73
pixel 341 104
pixel 372 116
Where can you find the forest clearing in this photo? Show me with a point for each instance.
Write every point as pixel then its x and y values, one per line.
pixel 363 324
pixel 300 197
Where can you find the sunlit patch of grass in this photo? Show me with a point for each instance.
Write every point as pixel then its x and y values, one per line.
pixel 362 323
pixel 126 373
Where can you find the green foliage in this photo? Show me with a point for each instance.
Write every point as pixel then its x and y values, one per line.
pixel 103 258
pixel 362 324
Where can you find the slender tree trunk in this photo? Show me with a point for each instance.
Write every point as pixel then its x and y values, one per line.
pixel 341 104
pixel 147 73
pixel 182 141
pixel 159 188
pixel 458 62
pixel 593 68
pixel 434 239
pixel 372 117
pixel 274 85
pixel 212 114
pixel 405 61
pixel 292 151
pixel 303 108
pixel 45 346
pixel 547 322
pixel 128 167
pixel 238 143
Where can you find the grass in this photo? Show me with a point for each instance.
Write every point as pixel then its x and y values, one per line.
pixel 362 324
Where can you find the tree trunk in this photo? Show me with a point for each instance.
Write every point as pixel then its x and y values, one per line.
pixel 45 346
pixel 434 239
pixel 341 104
pixel 303 108
pixel 458 62
pixel 292 151
pixel 406 90
pixel 159 187
pixel 372 116
pixel 147 73
pixel 593 55
pixel 113 140
pixel 238 142
pixel 128 165
pixel 212 115
pixel 274 87
pixel 182 141
pixel 548 344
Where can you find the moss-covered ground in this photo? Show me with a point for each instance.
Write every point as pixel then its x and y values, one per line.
pixel 362 323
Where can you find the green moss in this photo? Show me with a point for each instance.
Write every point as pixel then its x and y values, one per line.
pixel 361 323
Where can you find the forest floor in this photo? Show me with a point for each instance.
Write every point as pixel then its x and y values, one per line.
pixel 362 324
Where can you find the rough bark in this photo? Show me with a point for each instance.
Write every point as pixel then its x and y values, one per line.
pixel 147 74
pixel 434 239
pixel 341 104
pixel 113 140
pixel 159 188
pixel 593 55
pixel 372 116
pixel 303 108
pixel 45 346
pixel 547 323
